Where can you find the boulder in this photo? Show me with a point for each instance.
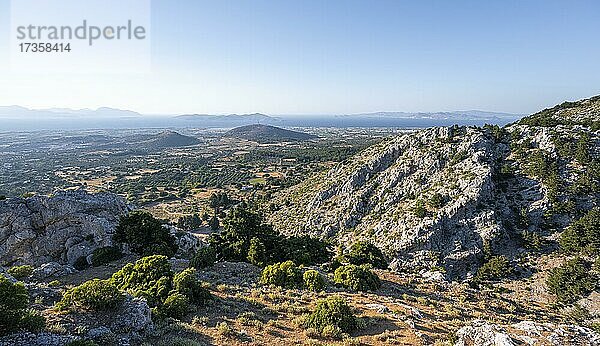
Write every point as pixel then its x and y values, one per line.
pixel 61 228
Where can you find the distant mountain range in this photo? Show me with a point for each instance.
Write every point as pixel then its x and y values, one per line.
pixel 470 114
pixel 102 112
pixel 20 118
pixel 267 134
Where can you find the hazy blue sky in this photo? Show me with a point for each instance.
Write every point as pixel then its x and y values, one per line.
pixel 326 56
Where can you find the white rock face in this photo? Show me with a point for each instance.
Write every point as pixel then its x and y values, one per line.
pixel 482 333
pixel 375 195
pixel 60 229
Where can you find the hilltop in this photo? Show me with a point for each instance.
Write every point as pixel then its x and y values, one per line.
pixel 168 139
pixel 267 134
pixel 583 112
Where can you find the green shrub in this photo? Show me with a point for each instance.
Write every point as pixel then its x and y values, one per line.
pixel 284 274
pixel 331 314
pixel 150 277
pixel 187 284
pixel 241 225
pixel 358 278
pixel 363 252
pixel 145 235
pixel 92 295
pixel 21 272
pixel 14 315
pixel 571 281
pixel 306 250
pixel 583 234
pixel 32 321
pixel 436 201
pixel 203 258
pixel 176 305
pixel 495 268
pixel 105 255
pixel 54 283
pixel 313 281
pixel 246 237
pixel 532 240
pixel 257 253
pixel 189 222
pixel 420 210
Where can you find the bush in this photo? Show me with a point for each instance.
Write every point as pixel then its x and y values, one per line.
pixel 571 281
pixel 14 315
pixel 284 274
pixel 32 321
pixel 436 201
pixel 358 278
pixel 241 225
pixel 95 295
pixel 495 268
pixel 363 252
pixel 21 272
pixel 583 234
pixel 105 255
pixel 257 253
pixel 332 314
pixel 204 257
pixel 420 210
pixel 532 240
pixel 306 250
pixel 150 277
pixel 313 281
pixel 145 235
pixel 187 284
pixel 246 237
pixel 176 305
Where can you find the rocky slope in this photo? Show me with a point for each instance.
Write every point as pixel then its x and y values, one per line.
pixel 444 197
pixel 62 228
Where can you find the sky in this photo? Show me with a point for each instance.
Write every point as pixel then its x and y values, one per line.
pixel 338 57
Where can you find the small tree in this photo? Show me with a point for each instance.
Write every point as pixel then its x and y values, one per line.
pixel 14 315
pixel 150 277
pixel 257 253
pixel 332 313
pixel 495 268
pixel 583 234
pixel 95 295
pixel 571 281
pixel 358 278
pixel 363 252
pixel 284 274
pixel 313 281
pixel 187 284
pixel 144 234
pixel 203 258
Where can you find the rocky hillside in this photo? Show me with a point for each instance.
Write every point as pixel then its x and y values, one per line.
pixel 62 228
pixel 447 197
